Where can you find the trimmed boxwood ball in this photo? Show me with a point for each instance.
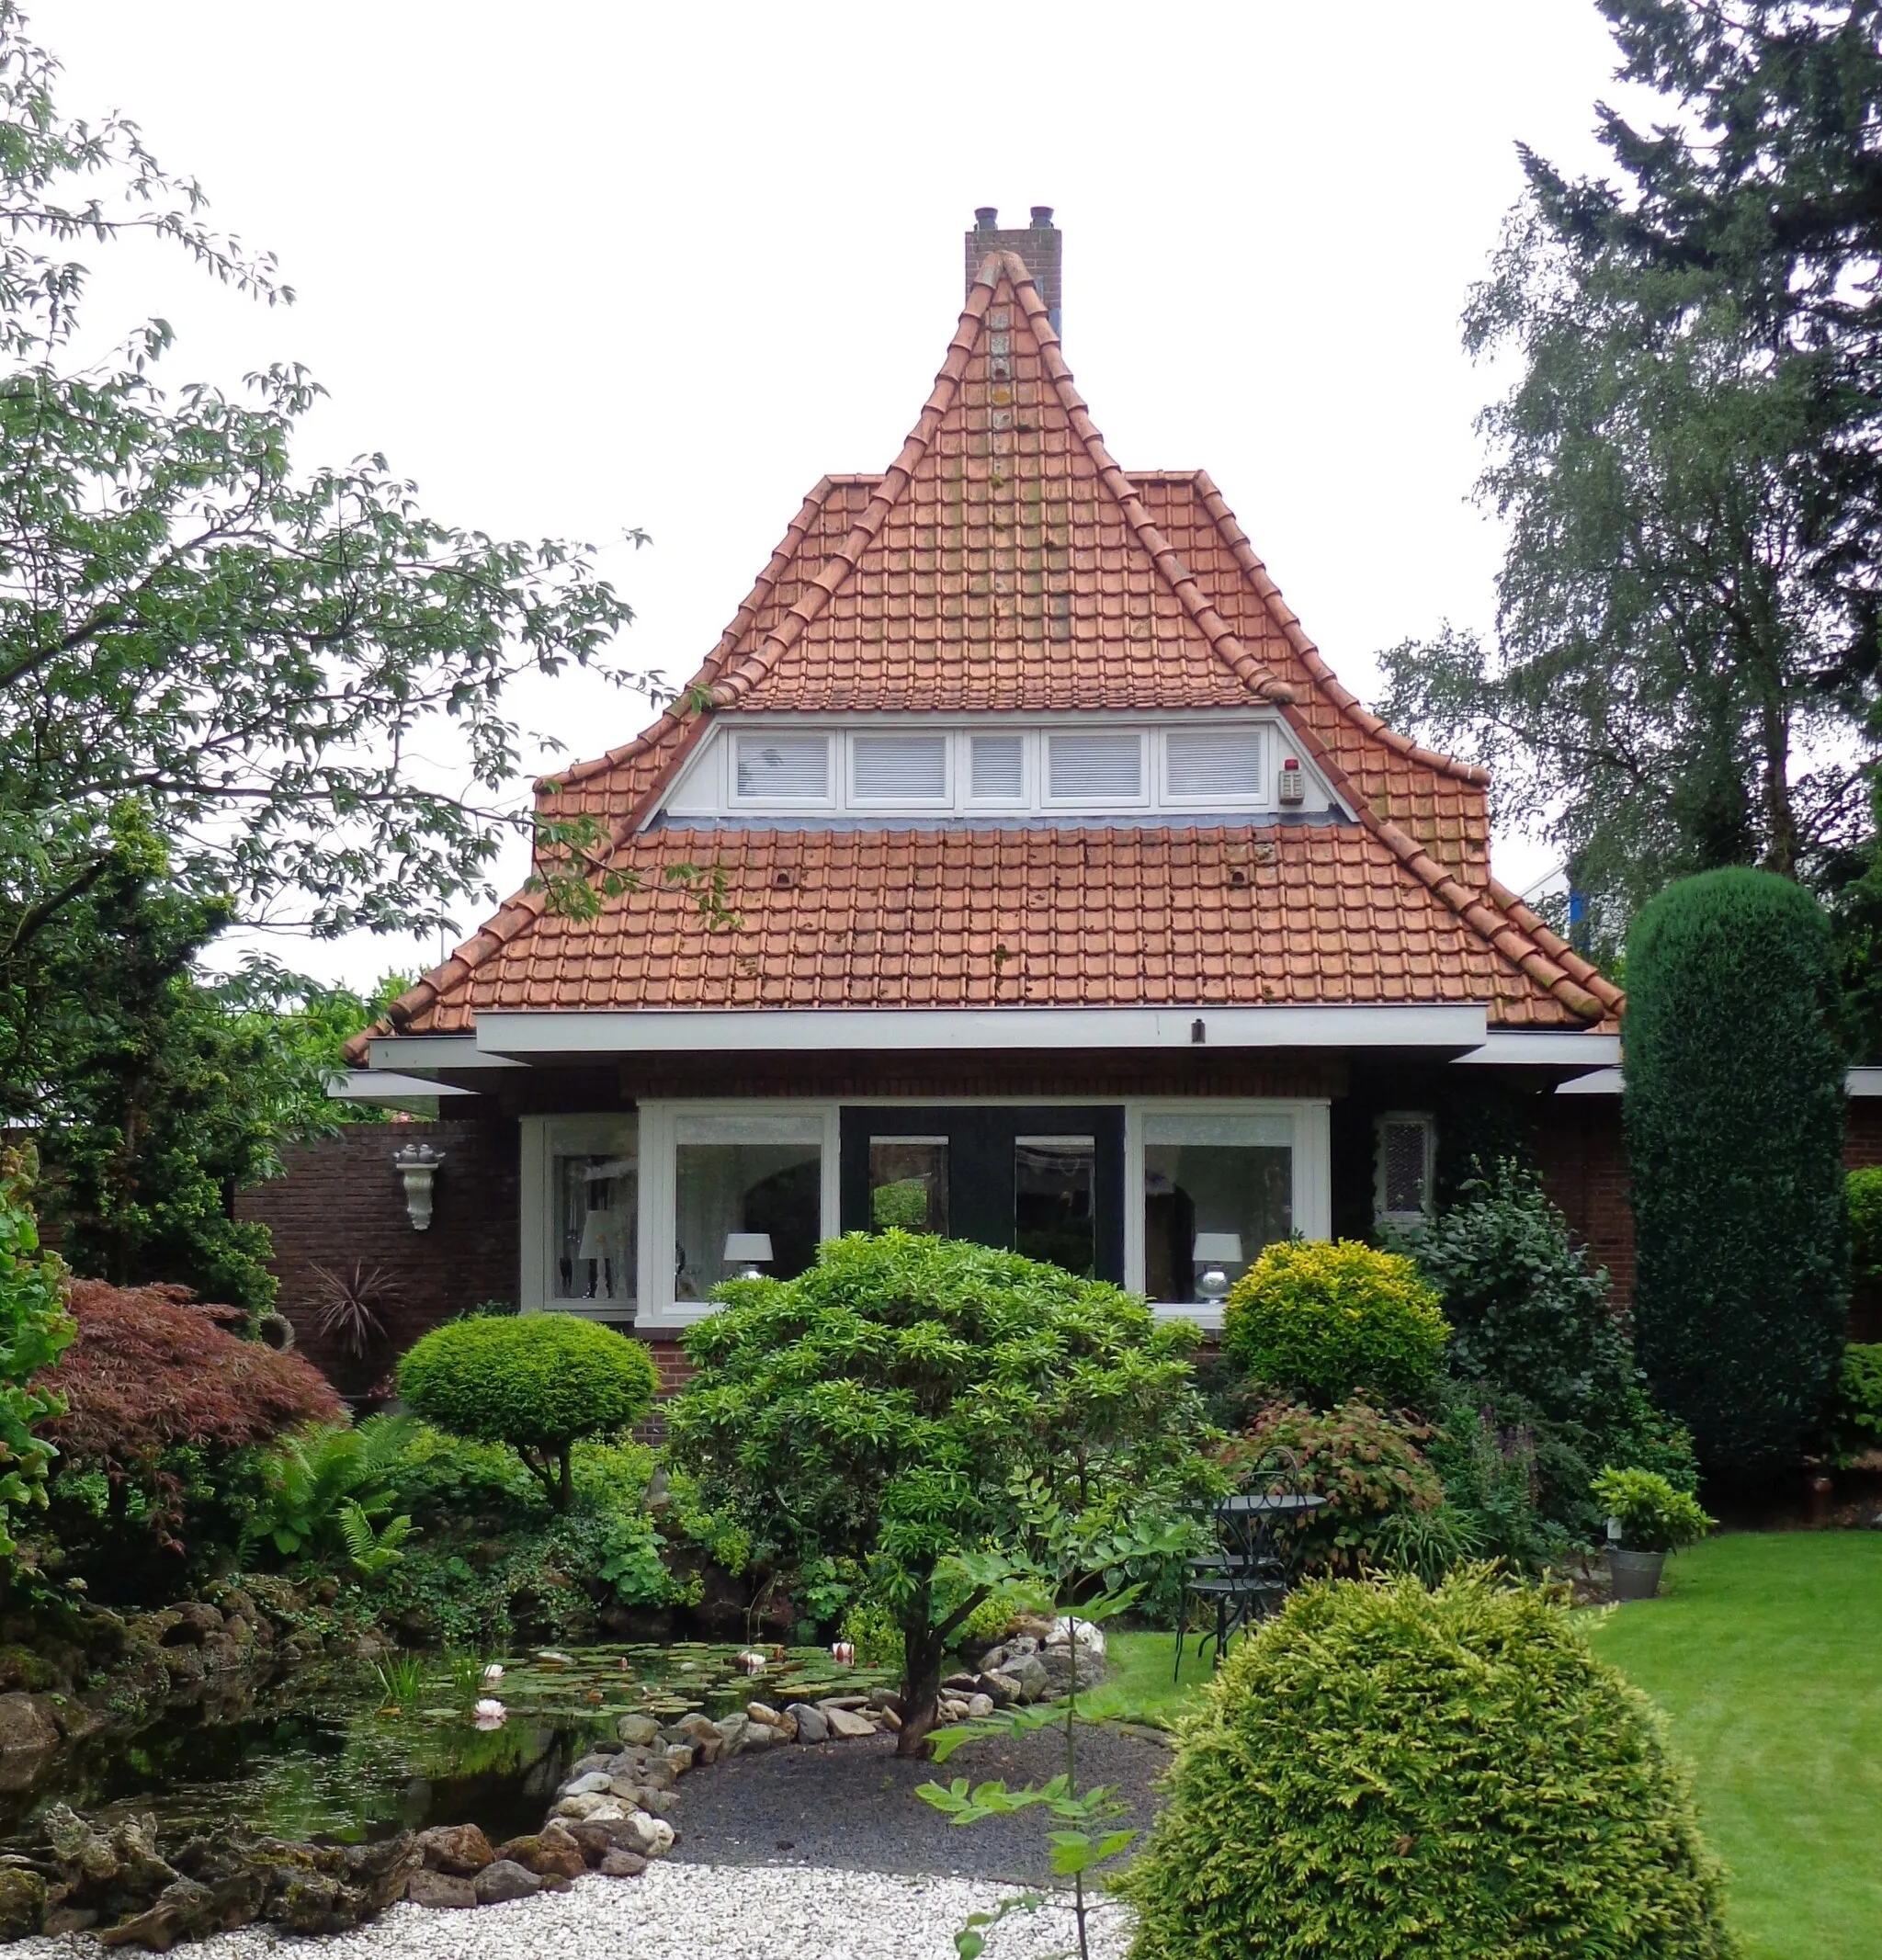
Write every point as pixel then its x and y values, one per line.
pixel 1380 1771
pixel 1326 1322
pixel 538 1382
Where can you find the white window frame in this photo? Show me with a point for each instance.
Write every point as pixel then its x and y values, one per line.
pixel 542 1141
pixel 950 769
pixel 1263 798
pixel 1423 1118
pixel 833 770
pixel 1047 800
pixel 1028 766
pixel 664 1126
pixel 1313 1198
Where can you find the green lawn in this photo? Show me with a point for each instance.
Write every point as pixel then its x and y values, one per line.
pixel 1766 1651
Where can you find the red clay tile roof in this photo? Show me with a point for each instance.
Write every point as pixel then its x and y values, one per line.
pixel 1004 561
pixel 1153 916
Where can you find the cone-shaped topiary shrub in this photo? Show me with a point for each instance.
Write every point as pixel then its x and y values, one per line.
pixel 1734 1114
pixel 1326 1322
pixel 1380 1771
pixel 537 1381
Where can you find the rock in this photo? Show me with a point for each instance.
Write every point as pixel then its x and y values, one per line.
pixel 583 1805
pixel 1089 1638
pixel 979 1706
pixel 22 1903
pixel 621 1864
pixel 1029 1676
pixel 69 1919
pixel 184 1910
pixel 784 1728
pixel 812 1724
pixel 596 1759
pixel 504 1880
pixel 732 1732
pixel 695 1727
pixel 889 1718
pixel 958 1684
pixel 552 1657
pixel 881 1698
pixel 761 1736
pixel 647 1837
pixel 440 1891
pixel 843 1701
pixel 1021 1644
pixel 27 1724
pixel 846 1725
pixel 460 1850
pixel 655 1803
pixel 638 1730
pixel 999 1689
pixel 679 1758
pixel 595 1780
pixel 1056 1662
pixel 763 1712
pixel 609 1808
pixel 552 1853
pixel 991 1660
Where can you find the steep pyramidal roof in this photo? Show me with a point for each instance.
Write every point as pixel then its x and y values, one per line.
pixel 1004 561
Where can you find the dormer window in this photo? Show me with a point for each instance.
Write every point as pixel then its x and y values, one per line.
pixel 924 769
pixel 784 768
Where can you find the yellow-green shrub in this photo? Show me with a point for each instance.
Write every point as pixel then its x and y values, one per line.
pixel 1382 1771
pixel 1325 1321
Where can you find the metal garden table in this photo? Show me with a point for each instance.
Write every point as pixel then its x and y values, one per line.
pixel 1247 1578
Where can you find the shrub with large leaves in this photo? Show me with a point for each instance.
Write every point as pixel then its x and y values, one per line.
pixel 35 1329
pixel 1382 1771
pixel 906 1401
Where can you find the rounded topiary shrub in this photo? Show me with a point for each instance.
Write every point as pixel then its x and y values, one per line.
pixel 538 1382
pixel 1326 1322
pixel 1382 1771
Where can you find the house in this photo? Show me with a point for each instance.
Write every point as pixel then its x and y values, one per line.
pixel 1016 868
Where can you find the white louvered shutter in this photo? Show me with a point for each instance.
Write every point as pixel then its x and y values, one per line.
pixel 1095 768
pixel 789 767
pixel 900 768
pixel 1224 763
pixel 999 768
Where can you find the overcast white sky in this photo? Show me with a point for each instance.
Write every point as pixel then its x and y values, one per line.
pixel 585 265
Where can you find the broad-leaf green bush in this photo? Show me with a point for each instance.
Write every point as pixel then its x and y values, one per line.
pixel 1652 1515
pixel 35 1329
pixel 1855 1410
pixel 1382 1771
pixel 911 1400
pixel 1733 1108
pixel 538 1382
pixel 1367 1463
pixel 1863 1193
pixel 1328 1321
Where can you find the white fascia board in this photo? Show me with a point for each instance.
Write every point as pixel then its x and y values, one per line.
pixel 1607 1081
pixel 423 1054
pixel 381 1085
pixel 682 1030
pixel 1546 1049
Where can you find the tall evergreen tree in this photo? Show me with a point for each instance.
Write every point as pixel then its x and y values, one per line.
pixel 1684 672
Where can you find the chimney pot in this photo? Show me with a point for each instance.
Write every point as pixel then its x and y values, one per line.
pixel 1039 247
pixel 986 217
pixel 1042 217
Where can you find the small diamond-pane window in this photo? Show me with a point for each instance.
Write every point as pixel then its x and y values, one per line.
pixel 1405 1152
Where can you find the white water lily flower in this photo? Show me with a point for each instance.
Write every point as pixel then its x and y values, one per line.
pixel 493 1674
pixel 490 1714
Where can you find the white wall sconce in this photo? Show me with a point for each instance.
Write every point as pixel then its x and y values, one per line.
pixel 751 1250
pixel 418 1166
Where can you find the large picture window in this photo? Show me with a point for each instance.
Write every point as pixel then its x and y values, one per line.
pixel 581 1232
pixel 1216 1190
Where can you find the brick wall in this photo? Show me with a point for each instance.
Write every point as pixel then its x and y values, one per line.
pixel 342 1202
pixel 1584 1170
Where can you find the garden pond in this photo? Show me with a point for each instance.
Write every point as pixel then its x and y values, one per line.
pixel 356 1751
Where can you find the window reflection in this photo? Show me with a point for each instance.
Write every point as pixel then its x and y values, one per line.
pixel 1211 1203
pixel 596 1249
pixel 726 1188
pixel 1054 1218
pixel 908 1183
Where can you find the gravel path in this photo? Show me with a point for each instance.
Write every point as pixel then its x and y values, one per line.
pixel 677 1912
pixel 852 1806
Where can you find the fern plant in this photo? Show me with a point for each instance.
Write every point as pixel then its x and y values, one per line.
pixel 373 1554
pixel 311 1474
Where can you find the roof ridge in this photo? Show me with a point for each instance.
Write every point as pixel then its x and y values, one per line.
pixel 1343 698
pixel 1253 674
pixel 1538 928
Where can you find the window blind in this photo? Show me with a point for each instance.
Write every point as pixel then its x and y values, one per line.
pixel 998 767
pixel 784 765
pixel 1213 763
pixel 886 768
pixel 1090 768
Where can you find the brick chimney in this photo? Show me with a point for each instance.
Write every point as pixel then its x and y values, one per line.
pixel 1040 248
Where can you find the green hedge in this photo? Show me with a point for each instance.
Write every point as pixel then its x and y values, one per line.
pixel 1855 1409
pixel 1326 1322
pixel 1382 1771
pixel 1734 1115
pixel 538 1382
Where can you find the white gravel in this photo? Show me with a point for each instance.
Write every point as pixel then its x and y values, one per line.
pixel 679 1912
